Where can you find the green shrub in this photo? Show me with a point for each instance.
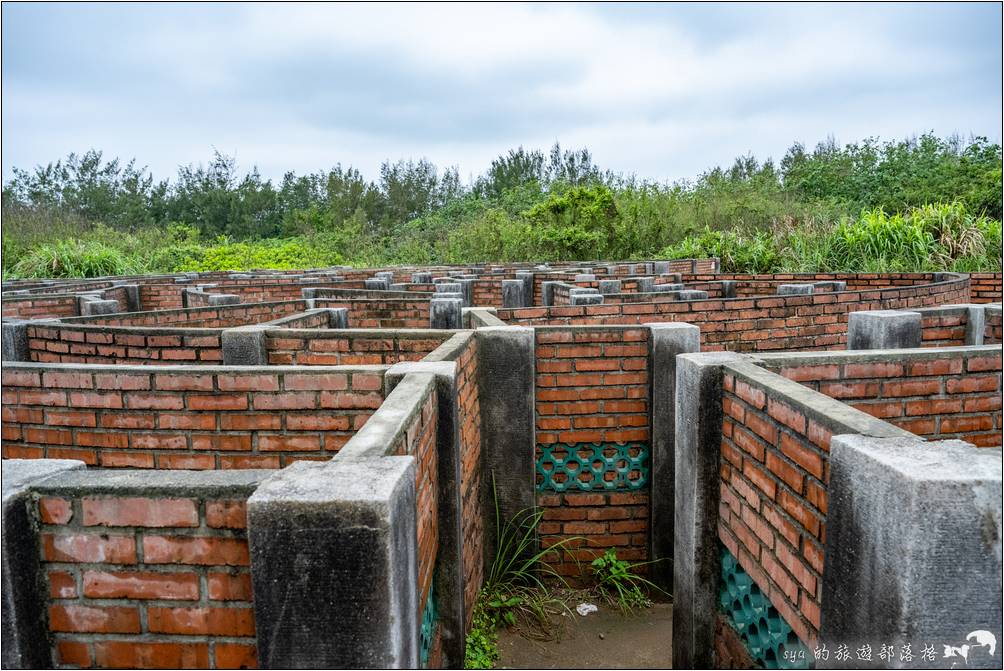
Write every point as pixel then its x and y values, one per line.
pixel 74 258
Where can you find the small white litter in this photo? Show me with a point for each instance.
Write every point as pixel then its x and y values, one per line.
pixel 584 609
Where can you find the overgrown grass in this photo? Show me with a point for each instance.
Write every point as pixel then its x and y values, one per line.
pixel 620 584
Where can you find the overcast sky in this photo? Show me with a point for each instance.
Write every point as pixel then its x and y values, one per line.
pixel 663 91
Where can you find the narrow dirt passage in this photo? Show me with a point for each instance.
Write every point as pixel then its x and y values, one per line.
pixel 602 640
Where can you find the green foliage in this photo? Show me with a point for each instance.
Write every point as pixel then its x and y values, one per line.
pixel 619 583
pixel 481 651
pixel 72 258
pixel 863 206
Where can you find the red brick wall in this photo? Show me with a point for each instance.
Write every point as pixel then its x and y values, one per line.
pixel 487 293
pixel 161 418
pixel 993 329
pixel 40 307
pixel 774 471
pixel 334 347
pixel 71 343
pixel 161 296
pixel 951 394
pixel 159 581
pixel 382 313
pixel 986 287
pixel 222 316
pixel 817 321
pixel 420 441
pixel 593 387
pixel 944 330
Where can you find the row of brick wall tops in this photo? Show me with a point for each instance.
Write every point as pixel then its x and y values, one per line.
pixel 592 407
pixel 816 321
pixel 324 347
pixel 937 394
pixel 183 416
pixel 382 313
pixel 774 475
pixel 215 316
pixel 461 349
pixel 147 569
pixel 41 307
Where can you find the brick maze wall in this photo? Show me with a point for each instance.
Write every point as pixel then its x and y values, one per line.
pixel 40 307
pixel 993 333
pixel 152 581
pixel 774 474
pixel 817 321
pixel 160 418
pixel 67 343
pixel 224 316
pixel 952 394
pixel 334 347
pixel 592 389
pixel 944 330
pixel 986 287
pixel 377 313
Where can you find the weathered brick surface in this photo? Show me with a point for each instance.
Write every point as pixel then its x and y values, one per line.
pixel 382 313
pixel 68 343
pixel 764 323
pixel 146 581
pixel 949 394
pixel 161 418
pixel 986 287
pixel 328 348
pixel 40 307
pixel 593 387
pixel 222 316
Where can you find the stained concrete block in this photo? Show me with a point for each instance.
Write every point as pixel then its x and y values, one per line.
pixel 587 299
pixel 224 299
pixel 132 295
pixel 666 342
pixel 583 277
pixel 15 340
pixel 385 275
pixel 506 383
pixel 913 547
pixel 547 291
pixel 883 329
pixel 667 287
pixel 660 267
pixel 646 285
pixel 728 288
pixel 91 306
pixel 421 278
pixel 376 283
pixel 512 294
pixel 25 634
pixel 526 277
pixel 448 288
pixel 334 565
pixel 830 285
pixel 609 286
pixel 445 313
pixel 695 549
pixel 244 346
pixel 467 290
pixel 338 318
pixel 692 295
pixel 794 289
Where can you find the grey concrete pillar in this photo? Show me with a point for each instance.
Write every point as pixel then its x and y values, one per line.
pixel 25 634
pixel 666 342
pixel 547 291
pixel 526 277
pixel 244 346
pixel 445 313
pixel 224 299
pixel 506 388
pixel 646 285
pixel 695 549
pixel 610 286
pixel 338 318
pixel 587 299
pixel 794 289
pixel 308 293
pixel 883 329
pixel 132 295
pixel 585 277
pixel 15 340
pixel 334 565
pixel 913 547
pixel 512 293
pixel 448 288
pixel 385 275
pixel 976 324
pixel 660 267
pixel 421 278
pixel 728 288
pixel 89 306
pixel 450 579
pixel 467 291
pixel 377 284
